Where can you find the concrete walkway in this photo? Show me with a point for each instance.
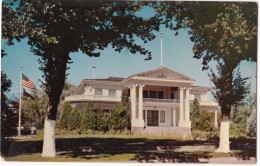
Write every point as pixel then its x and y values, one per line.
pixel 232 160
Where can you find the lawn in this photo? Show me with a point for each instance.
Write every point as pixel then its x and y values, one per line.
pixel 128 148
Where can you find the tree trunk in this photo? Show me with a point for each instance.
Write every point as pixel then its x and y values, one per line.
pixel 224 146
pixel 55 74
pixel 49 148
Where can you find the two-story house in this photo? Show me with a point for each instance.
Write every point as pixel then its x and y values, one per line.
pixel 160 99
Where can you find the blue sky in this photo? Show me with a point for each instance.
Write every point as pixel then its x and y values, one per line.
pixel 177 55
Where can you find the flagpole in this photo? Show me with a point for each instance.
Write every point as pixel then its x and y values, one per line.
pixel 20 104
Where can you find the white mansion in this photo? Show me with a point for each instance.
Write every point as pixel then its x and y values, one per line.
pixel 160 99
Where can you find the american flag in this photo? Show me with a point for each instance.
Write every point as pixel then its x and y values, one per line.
pixel 27 82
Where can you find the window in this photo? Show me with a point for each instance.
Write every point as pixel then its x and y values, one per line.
pixel 145 94
pixel 160 94
pixel 98 92
pixel 172 96
pixel 112 92
pixel 153 94
pixel 162 116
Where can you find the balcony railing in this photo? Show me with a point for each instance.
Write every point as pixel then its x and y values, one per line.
pixel 92 98
pixel 161 100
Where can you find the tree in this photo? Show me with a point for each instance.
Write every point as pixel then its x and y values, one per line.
pixel 223 32
pixel 120 118
pixel 86 117
pixel 64 118
pixel 200 120
pixel 33 110
pixel 74 119
pixel 194 115
pixel 9 116
pixel 56 28
pixel 251 124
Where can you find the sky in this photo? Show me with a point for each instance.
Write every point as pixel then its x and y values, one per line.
pixel 177 55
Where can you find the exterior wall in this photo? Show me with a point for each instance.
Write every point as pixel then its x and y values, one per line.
pixel 202 94
pixel 169 115
pixel 90 90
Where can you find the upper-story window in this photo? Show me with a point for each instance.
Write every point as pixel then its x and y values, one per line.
pixel 172 96
pixel 112 92
pixel 153 94
pixel 98 92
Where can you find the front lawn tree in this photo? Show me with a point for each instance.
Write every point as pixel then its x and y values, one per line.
pixel 56 28
pixel 224 32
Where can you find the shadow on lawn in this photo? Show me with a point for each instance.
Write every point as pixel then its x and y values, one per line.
pixel 145 150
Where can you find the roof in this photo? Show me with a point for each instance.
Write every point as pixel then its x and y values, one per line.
pixel 203 88
pixel 162 73
pixel 110 80
pixel 113 79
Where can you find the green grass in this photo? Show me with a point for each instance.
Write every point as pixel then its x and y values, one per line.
pixel 102 157
pixel 118 157
pixel 118 148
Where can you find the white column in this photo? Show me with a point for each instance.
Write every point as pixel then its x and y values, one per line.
pixel 181 104
pixel 187 105
pixel 133 102
pixel 174 123
pixel 216 119
pixel 141 105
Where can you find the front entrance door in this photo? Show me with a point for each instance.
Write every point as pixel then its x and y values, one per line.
pixel 152 117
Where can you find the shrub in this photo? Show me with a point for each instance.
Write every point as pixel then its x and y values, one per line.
pixel 86 121
pixel 74 119
pixel 251 125
pixel 64 118
pixel 201 120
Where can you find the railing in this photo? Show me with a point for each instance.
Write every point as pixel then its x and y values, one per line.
pixel 161 100
pixel 92 97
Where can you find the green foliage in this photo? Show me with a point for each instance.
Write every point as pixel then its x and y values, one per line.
pixel 201 120
pixel 239 117
pixel 219 30
pixel 223 32
pixel 252 124
pixel 9 118
pixel 54 30
pixel 33 110
pixel 74 119
pixel 120 119
pixel 86 121
pixel 195 115
pixel 103 120
pixel 64 118
pixel 229 88
pixel 237 129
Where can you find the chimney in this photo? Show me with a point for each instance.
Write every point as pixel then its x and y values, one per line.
pixel 93 72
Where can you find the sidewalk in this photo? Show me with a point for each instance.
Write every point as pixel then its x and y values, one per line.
pixel 232 160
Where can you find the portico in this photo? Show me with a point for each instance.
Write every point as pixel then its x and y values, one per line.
pixel 160 98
